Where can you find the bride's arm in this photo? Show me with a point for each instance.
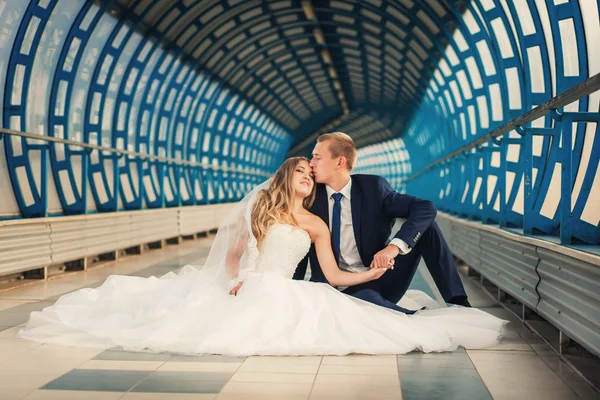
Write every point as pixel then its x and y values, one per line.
pixel 334 275
pixel 232 259
pixel 234 254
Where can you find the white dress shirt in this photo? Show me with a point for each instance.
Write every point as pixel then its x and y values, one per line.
pixel 349 257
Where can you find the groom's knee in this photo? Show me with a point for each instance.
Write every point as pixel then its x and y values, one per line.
pixel 432 236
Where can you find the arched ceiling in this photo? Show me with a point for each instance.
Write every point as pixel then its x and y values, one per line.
pixel 311 63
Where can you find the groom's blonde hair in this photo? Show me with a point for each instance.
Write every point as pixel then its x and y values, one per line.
pixel 340 144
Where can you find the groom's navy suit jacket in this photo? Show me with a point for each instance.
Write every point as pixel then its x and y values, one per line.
pixel 375 206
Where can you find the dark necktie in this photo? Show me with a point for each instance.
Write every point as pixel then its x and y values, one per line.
pixel 335 225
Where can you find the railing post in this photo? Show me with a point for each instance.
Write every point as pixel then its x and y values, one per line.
pixel 565 122
pixel 486 212
pixel 527 134
pixel 473 205
pixel 527 159
pixel 504 211
pixel 502 220
pixel 461 162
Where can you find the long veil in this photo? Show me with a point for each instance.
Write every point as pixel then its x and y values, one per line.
pixel 234 250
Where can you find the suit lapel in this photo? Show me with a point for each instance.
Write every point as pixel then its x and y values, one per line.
pixel 356 209
pixel 322 204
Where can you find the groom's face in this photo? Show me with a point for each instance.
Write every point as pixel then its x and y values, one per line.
pixel 322 163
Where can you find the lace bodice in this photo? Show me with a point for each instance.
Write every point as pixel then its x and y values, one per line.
pixel 283 248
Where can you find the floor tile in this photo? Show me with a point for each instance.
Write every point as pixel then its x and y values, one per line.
pixel 541 347
pixel 386 380
pixel 358 369
pixel 359 360
pixel 207 376
pixel 419 282
pixel 36 367
pixel 132 356
pixel 355 391
pixel 54 352
pixel 556 364
pixel 178 384
pixel 581 387
pixel 294 365
pixel 6 304
pixel 20 313
pixel 514 345
pixel 10 333
pixel 433 363
pixel 458 353
pixel 546 353
pixel 501 312
pixel 503 357
pixel 97 380
pixel 459 374
pixel 168 396
pixel 317 397
pixel 272 377
pixel 72 395
pixel 208 358
pixel 503 376
pixel 199 367
pixel 15 347
pixel 453 384
pixel 533 339
pixel 121 365
pixel 262 396
pixel 268 388
pixel 292 360
pixel 515 393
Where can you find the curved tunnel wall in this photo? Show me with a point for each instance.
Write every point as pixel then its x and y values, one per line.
pixel 243 83
pixel 528 53
pixel 74 71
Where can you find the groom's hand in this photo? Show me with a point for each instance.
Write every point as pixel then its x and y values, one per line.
pixel 385 258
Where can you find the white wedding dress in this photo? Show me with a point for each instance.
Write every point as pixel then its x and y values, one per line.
pixel 272 314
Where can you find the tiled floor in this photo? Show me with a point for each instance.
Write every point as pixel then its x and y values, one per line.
pixel 521 367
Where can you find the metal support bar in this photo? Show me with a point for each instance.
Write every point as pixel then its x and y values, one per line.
pixel 133 154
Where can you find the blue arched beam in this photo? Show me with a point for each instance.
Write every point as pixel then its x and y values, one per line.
pixel 32 201
pixel 62 85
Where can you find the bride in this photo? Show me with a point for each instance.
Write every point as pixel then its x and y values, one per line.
pixel 243 301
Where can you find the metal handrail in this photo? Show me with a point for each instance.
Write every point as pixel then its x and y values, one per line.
pixel 583 89
pixel 175 161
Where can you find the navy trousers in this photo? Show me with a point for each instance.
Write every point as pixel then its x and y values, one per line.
pixel 389 289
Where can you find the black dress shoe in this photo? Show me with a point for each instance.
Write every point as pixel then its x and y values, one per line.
pixel 460 300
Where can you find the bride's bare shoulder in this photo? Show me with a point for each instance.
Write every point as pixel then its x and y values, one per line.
pixel 312 224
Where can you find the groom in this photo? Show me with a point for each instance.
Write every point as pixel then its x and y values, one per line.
pixel 360 211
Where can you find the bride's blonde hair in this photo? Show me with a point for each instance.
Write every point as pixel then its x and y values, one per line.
pixel 276 203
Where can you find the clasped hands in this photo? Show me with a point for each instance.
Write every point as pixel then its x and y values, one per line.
pixel 386 257
pixel 383 260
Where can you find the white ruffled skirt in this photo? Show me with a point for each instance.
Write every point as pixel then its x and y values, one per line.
pixel 272 315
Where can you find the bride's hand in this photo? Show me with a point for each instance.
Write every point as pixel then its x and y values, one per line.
pixel 376 273
pixel 234 291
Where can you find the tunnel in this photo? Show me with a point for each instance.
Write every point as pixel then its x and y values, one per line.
pixel 130 125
